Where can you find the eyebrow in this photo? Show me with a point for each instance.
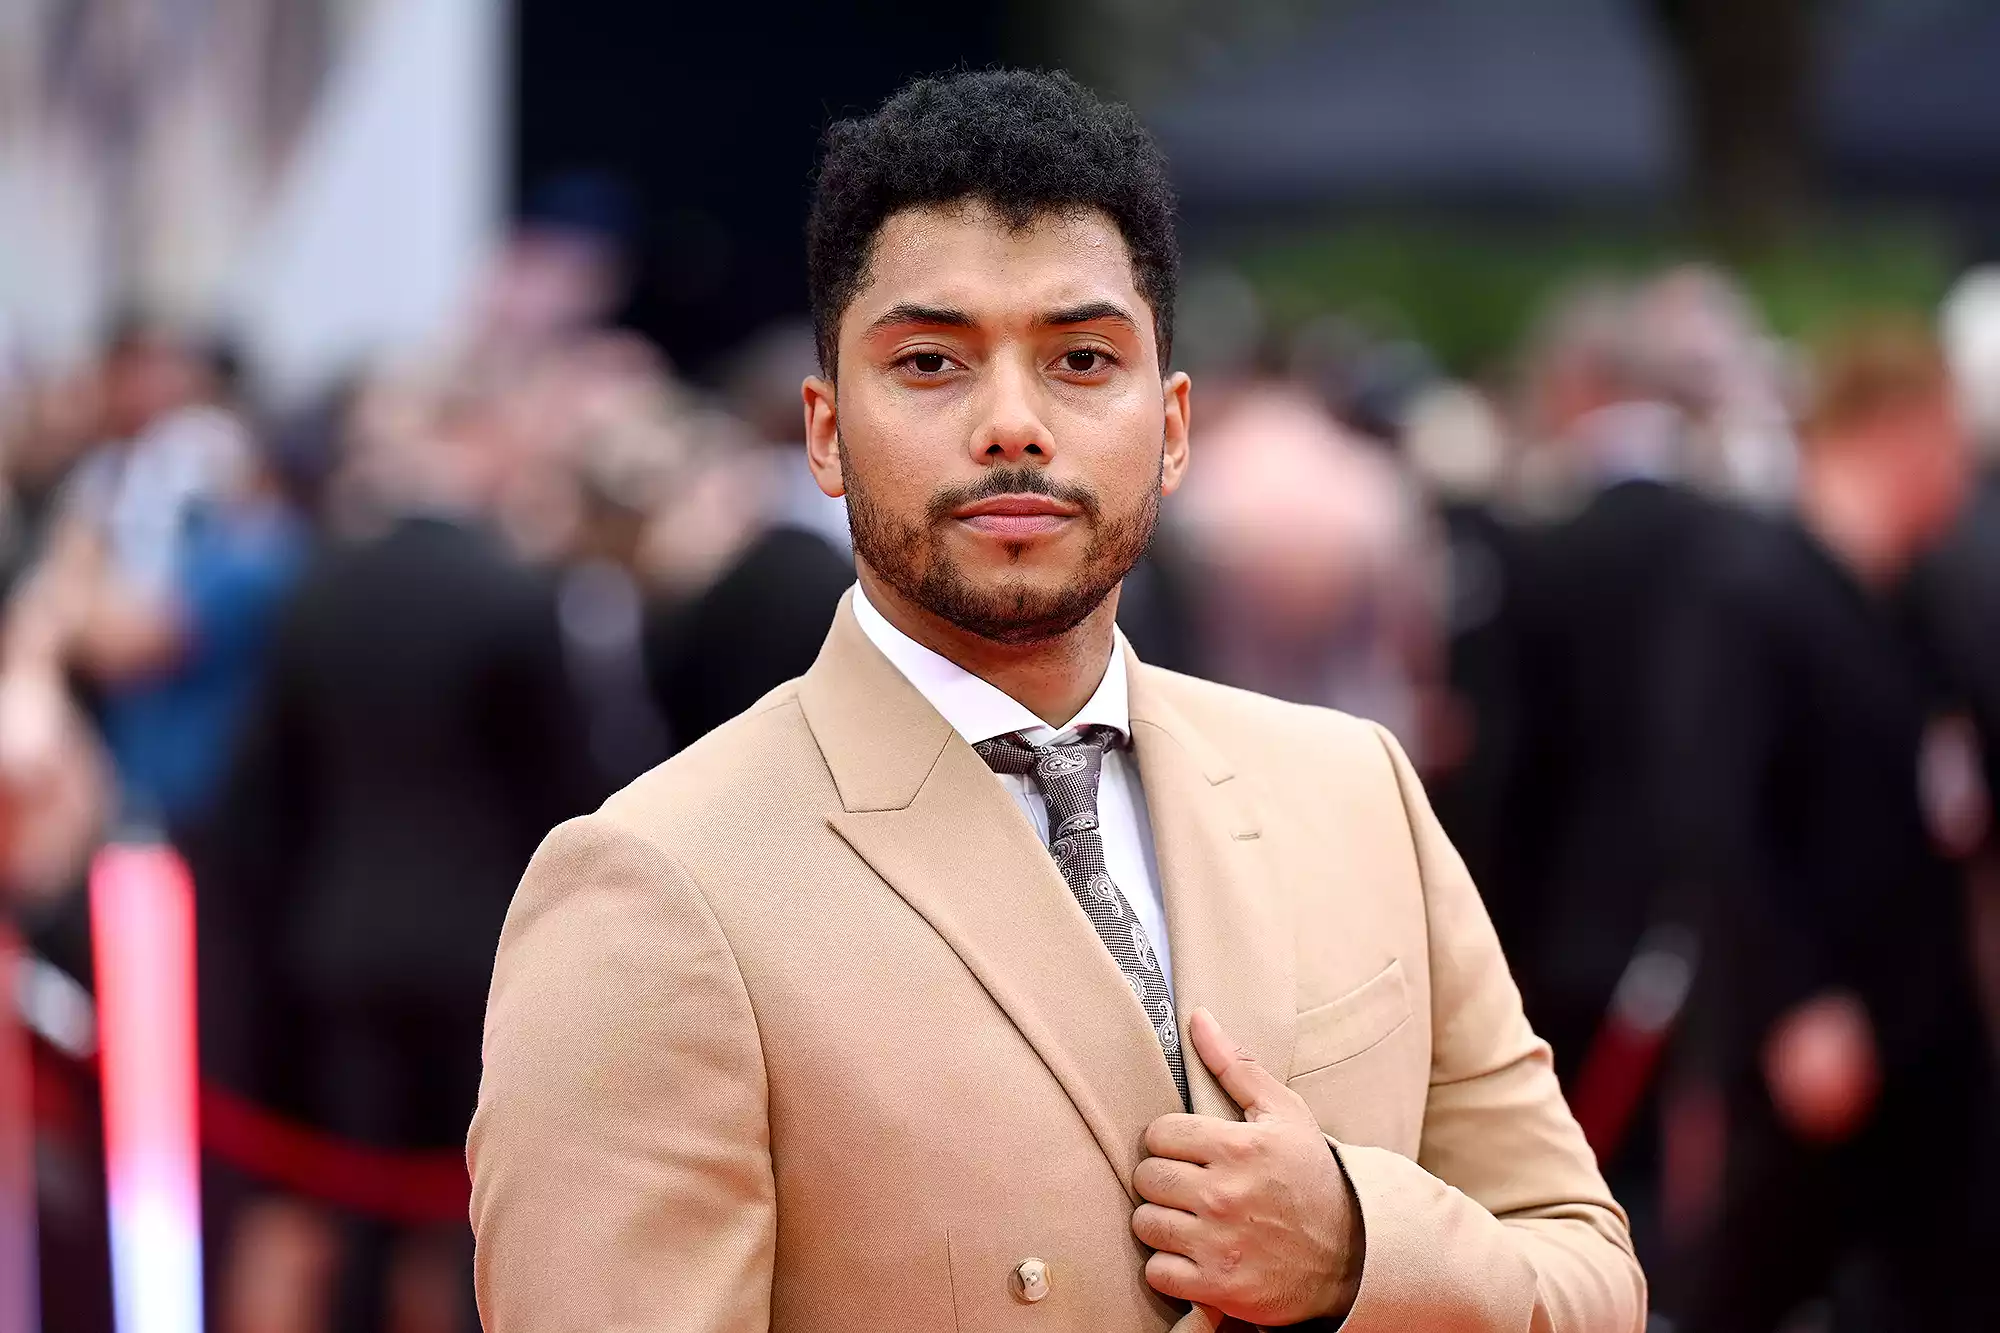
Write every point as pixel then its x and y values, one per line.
pixel 910 313
pixel 1090 312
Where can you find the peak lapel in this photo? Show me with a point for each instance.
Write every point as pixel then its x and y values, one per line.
pixel 928 816
pixel 1230 928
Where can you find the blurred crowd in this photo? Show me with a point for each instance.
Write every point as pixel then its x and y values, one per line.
pixel 1695 632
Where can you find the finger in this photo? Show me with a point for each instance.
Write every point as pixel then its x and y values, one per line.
pixel 1167 1229
pixel 1249 1084
pixel 1175 1275
pixel 1199 1139
pixel 1174 1184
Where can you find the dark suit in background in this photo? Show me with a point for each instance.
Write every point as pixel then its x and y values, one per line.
pixel 1579 847
pixel 1471 793
pixel 1956 600
pixel 416 740
pixel 1798 718
pixel 758 625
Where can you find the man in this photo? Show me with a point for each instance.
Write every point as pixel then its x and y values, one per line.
pixel 1955 592
pixel 762 616
pixel 1835 1019
pixel 810 1030
pixel 165 571
pixel 415 733
pixel 1577 891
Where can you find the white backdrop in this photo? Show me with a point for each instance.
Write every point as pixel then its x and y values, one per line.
pixel 321 178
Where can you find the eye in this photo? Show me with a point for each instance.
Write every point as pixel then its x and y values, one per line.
pixel 926 365
pixel 1086 360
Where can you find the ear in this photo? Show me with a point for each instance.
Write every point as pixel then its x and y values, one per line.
pixel 1174 393
pixel 823 435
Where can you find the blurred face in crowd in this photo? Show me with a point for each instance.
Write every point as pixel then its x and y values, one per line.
pixel 1925 460
pixel 1001 426
pixel 144 379
pixel 1886 426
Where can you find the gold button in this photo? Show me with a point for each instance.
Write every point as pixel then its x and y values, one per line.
pixel 1031 1280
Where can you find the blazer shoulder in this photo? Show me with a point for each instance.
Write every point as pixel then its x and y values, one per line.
pixel 747 763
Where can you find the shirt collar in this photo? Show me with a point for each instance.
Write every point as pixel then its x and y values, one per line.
pixel 979 711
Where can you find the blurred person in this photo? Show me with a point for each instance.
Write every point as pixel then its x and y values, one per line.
pixel 162 572
pixel 1710 352
pixel 562 273
pixel 1458 452
pixel 544 419
pixel 1955 596
pixel 51 421
pixel 307 446
pixel 632 449
pixel 813 1028
pixel 750 559
pixel 1576 878
pixel 1308 560
pixel 1577 854
pixel 416 737
pixel 761 387
pixel 55 787
pixel 1836 1018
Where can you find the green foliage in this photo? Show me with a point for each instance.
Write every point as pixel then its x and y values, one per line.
pixel 1469 292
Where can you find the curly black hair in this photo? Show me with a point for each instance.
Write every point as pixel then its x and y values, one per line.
pixel 1024 142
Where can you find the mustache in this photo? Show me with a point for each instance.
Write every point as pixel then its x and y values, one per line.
pixel 1013 481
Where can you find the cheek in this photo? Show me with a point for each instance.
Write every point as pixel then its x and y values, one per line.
pixel 895 459
pixel 1113 437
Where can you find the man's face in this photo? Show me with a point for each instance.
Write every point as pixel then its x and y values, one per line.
pixel 1003 434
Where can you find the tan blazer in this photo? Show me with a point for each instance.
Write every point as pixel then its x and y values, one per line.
pixel 804 1031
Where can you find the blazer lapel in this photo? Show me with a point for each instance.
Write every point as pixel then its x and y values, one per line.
pixel 1228 924
pixel 927 815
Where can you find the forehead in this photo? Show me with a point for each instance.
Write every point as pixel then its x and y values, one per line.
pixel 966 257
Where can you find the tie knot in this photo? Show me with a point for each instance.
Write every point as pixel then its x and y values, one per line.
pixel 1065 774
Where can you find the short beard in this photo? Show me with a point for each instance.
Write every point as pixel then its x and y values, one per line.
pixel 913 559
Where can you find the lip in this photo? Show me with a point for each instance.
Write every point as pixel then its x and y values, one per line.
pixel 1016 517
pixel 1022 506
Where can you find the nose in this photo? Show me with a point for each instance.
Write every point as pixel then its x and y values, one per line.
pixel 1011 429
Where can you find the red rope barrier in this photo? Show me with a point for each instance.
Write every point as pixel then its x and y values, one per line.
pixel 407 1188
pixel 413 1188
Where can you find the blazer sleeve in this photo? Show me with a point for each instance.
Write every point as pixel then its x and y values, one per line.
pixel 620 1153
pixel 1503 1221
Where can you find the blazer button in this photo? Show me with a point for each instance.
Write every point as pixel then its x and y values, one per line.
pixel 1031 1280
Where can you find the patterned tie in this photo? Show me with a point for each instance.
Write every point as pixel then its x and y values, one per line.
pixel 1066 775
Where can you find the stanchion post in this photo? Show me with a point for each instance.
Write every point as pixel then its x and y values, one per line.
pixel 19 1312
pixel 142 935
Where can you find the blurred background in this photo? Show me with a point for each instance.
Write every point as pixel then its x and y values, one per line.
pixel 399 450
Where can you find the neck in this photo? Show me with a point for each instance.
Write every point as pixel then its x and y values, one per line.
pixel 1841 507
pixel 1053 679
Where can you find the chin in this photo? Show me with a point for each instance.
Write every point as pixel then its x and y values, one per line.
pixel 1014 609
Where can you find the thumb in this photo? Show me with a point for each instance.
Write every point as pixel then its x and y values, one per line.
pixel 1248 1083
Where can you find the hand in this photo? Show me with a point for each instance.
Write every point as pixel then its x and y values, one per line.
pixel 1821 1067
pixel 1255 1220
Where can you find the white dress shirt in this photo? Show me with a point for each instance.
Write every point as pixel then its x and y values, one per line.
pixel 979 711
